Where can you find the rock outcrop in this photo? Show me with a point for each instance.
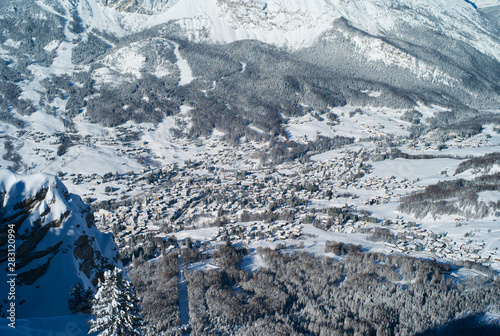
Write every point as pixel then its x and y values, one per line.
pixel 137 6
pixel 57 243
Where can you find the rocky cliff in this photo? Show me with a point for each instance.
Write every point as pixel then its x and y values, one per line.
pixel 56 241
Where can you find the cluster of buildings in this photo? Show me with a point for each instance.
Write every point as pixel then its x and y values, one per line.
pixel 250 206
pixel 201 193
pixel 248 233
pixel 227 187
pixel 412 239
pixel 455 141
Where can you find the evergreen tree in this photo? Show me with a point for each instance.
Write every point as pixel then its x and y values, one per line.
pixel 116 307
pixel 80 299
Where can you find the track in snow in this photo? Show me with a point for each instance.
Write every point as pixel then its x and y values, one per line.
pixel 186 73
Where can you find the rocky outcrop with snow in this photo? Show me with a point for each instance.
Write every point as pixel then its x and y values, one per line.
pixel 137 6
pixel 57 243
pixel 297 23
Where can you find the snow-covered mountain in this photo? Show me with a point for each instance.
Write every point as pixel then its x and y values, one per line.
pixel 72 71
pixel 295 23
pixel 56 241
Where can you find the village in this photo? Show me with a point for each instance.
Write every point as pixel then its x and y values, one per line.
pixel 228 187
pixel 273 205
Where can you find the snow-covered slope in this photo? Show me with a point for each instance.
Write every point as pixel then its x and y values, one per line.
pixel 486 3
pixel 57 243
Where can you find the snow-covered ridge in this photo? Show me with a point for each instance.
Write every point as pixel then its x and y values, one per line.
pixel 486 3
pixel 57 243
pixel 375 50
pixel 295 23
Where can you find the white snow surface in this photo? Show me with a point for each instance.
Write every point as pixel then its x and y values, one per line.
pixel 490 196
pixel 59 325
pixel 186 73
pixel 126 61
pixel 486 3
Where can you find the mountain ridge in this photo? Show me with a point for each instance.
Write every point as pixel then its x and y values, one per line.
pixel 296 24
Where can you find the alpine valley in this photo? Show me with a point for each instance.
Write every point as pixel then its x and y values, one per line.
pixel 250 167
